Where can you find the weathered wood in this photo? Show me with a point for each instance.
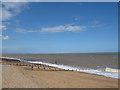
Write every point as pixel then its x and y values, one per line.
pixel 38 67
pixel 32 67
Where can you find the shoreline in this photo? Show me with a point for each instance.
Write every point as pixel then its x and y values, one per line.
pixel 108 72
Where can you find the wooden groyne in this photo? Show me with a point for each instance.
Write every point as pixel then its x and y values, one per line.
pixel 32 66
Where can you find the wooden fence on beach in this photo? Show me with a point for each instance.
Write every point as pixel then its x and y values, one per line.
pixel 31 66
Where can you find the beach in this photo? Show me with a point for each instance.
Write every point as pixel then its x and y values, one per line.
pixel 20 77
pixel 97 63
pixel 59 44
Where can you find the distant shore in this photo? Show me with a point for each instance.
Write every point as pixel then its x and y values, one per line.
pixel 15 76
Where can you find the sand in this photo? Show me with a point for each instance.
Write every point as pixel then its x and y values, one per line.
pixel 19 77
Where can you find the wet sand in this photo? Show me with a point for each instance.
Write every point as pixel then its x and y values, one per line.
pixel 22 77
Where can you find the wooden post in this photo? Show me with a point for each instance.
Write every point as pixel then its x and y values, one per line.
pixel 44 67
pixel 38 66
pixel 50 68
pixel 32 67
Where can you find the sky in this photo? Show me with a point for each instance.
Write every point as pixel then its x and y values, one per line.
pixel 49 27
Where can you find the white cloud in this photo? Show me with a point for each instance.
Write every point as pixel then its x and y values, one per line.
pixel 3 27
pixel 11 9
pixel 33 31
pixel 4 37
pixel 6 15
pixel 55 29
pixel 20 30
pixel 64 28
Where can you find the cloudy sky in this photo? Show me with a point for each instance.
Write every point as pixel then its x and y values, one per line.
pixel 59 27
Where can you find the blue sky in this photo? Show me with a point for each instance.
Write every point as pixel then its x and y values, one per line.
pixel 60 27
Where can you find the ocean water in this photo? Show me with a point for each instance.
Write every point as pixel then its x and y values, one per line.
pixel 85 60
pixel 98 63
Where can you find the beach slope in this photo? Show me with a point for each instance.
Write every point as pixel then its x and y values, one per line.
pixel 19 77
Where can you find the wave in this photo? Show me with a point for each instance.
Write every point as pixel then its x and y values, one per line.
pixel 108 72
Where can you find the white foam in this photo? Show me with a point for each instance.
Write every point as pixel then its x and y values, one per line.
pixel 94 71
pixel 1 64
